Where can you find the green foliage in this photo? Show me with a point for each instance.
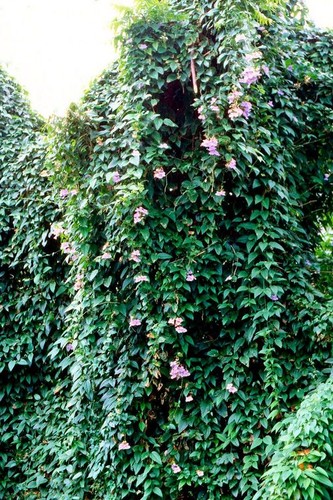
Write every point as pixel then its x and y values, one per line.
pixel 192 203
pixel 302 465
pixel 31 283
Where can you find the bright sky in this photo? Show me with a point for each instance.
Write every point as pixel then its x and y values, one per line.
pixel 54 48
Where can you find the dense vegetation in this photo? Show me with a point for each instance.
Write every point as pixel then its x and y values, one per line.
pixel 167 311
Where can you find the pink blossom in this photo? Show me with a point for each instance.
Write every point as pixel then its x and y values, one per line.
pixel 200 473
pixel 250 75
pixel 189 398
pixel 164 145
pixel 175 468
pixel 178 371
pixel 231 164
pixel 116 177
pixel 253 56
pixel 135 322
pixel 106 255
pixel 235 112
pixel 66 247
pixel 140 279
pixel 135 256
pixel 78 282
pixel 201 116
pixel 159 173
pixel 271 104
pixel 246 107
pixel 175 321
pixel 326 177
pixel 231 388
pixel 123 446
pixel 73 192
pixel 64 193
pixel 190 276
pixel 215 108
pixel 240 38
pixel 234 96
pixel 181 329
pixel 69 347
pixel 211 145
pixel 56 230
pixel 265 69
pixel 136 153
pixel 143 46
pixel 139 214
pixel 220 193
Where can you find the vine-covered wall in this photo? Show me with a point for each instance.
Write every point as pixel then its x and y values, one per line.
pixel 192 182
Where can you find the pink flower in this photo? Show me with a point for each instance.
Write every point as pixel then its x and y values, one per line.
pixel 175 468
pixel 69 347
pixel 64 193
pixel 135 322
pixel 56 230
pixel 190 276
pixel 199 472
pixel 231 388
pixel 181 329
pixel 250 75
pixel 231 164
pixel 246 107
pixel 73 192
pixel 66 247
pixel 201 116
pixel 123 446
pixel 234 96
pixel 240 38
pixel 135 256
pixel 78 282
pixel 253 55
pixel 140 279
pixel 211 145
pixel 164 145
pixel 175 321
pixel 189 398
pixel 139 214
pixel 136 153
pixel 159 173
pixel 235 112
pixel 143 46
pixel 220 193
pixel 106 255
pixel 271 104
pixel 265 69
pixel 178 371
pixel 116 177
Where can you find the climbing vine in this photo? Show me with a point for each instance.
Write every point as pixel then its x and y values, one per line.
pixel 192 182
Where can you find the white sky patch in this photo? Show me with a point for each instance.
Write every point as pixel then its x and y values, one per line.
pixel 54 48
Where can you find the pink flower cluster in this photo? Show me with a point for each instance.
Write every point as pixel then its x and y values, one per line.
pixel 139 214
pixel 250 75
pixel 159 173
pixel 106 255
pixel 56 230
pixel 65 192
pixel 231 388
pixel 213 105
pixel 135 256
pixel 201 115
pixel 211 145
pixel 140 279
pixel 135 322
pixel 178 371
pixel 254 55
pixel 176 322
pixel 237 110
pixel 67 248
